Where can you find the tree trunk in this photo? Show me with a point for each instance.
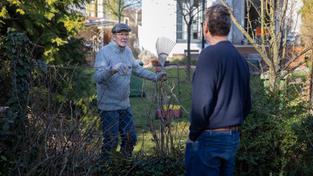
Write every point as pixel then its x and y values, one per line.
pixel 119 11
pixel 188 65
pixel 272 79
pixel 18 49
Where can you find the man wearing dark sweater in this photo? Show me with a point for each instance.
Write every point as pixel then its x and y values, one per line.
pixel 220 100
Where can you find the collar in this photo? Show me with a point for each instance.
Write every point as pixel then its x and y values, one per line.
pixel 116 48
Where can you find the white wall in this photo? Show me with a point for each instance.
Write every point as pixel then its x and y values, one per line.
pixel 100 12
pixel 158 20
pixel 295 14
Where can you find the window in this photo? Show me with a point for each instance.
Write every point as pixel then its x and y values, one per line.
pixel 139 18
pixel 181 27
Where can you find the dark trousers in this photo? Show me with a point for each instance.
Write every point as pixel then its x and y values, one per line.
pixel 115 123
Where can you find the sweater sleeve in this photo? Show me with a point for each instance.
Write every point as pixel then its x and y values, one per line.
pixel 203 94
pixel 103 68
pixel 142 72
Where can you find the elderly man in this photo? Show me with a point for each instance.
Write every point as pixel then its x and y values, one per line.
pixel 114 65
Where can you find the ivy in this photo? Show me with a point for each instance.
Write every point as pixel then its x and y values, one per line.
pixel 17 52
pixel 17 49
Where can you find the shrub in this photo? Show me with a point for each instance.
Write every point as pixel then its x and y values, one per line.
pixel 272 140
pixel 142 166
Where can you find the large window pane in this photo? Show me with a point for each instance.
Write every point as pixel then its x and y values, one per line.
pixel 181 27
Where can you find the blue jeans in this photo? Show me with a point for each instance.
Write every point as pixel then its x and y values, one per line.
pixel 114 123
pixel 212 154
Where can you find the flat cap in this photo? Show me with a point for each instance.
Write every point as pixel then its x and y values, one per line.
pixel 119 27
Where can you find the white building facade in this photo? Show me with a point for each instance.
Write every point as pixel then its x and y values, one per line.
pixel 161 19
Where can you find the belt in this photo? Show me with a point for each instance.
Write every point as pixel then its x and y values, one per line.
pixel 229 128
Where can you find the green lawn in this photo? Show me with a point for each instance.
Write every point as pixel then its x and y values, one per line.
pixel 144 109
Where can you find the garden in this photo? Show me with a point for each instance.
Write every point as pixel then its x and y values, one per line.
pixel 50 123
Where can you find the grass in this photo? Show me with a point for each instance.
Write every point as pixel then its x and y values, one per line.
pixel 144 109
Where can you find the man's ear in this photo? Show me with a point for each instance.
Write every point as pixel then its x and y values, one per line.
pixel 113 37
pixel 206 29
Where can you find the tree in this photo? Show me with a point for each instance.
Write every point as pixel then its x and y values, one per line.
pixel 31 30
pixel 188 9
pixel 117 7
pixel 307 37
pixel 274 24
pixel 50 25
pixel 307 24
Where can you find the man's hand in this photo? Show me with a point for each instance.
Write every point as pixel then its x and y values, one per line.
pixel 189 141
pixel 161 76
pixel 120 68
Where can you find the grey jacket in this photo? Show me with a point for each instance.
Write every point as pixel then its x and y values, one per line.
pixel 113 89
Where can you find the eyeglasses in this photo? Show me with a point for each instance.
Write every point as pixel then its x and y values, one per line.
pixel 122 34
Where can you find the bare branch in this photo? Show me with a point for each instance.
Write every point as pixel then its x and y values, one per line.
pixel 293 59
pixel 254 6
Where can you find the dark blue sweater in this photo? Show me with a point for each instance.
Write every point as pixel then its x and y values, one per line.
pixel 220 89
